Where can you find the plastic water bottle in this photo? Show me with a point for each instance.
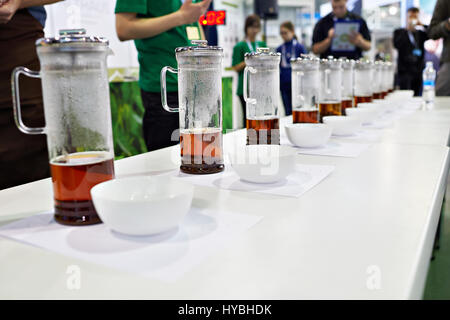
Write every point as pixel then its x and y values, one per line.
pixel 429 77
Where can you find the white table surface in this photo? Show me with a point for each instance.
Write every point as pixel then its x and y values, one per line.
pixel 380 209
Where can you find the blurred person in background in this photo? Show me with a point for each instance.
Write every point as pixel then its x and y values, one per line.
pixel 324 33
pixel 249 44
pixel 431 53
pixel 23 158
pixel 410 44
pixel 440 28
pixel 157 28
pixel 290 49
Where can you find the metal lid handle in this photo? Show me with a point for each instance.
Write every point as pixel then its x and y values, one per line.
pixel 72 32
pixel 201 43
pixel 263 50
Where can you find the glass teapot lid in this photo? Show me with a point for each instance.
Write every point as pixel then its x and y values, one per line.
pixel 347 64
pixel 305 62
pixel 363 64
pixel 199 48
pixel 262 53
pixel 331 63
pixel 72 40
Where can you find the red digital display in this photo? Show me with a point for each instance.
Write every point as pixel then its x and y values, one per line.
pixel 213 18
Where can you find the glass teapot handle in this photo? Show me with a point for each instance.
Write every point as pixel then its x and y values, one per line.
pixel 301 97
pixel 164 89
pixel 16 99
pixel 327 81
pixel 246 98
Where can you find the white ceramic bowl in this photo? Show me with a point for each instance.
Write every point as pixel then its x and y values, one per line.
pixel 401 96
pixel 408 94
pixel 342 125
pixel 142 205
pixel 263 163
pixel 389 106
pixel 365 115
pixel 377 107
pixel 308 135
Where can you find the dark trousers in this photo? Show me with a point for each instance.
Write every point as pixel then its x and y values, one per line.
pixel 244 109
pixel 160 126
pixel 411 81
pixel 286 95
pixel 23 158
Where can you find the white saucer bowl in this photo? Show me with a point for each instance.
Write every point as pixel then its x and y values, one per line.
pixel 389 105
pixel 342 125
pixel 308 135
pixel 142 206
pixel 365 115
pixel 376 107
pixel 406 94
pixel 263 163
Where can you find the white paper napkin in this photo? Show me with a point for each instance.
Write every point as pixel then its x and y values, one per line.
pixel 370 135
pixel 380 123
pixel 333 148
pixel 303 179
pixel 165 257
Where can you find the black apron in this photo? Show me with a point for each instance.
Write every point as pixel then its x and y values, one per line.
pixel 23 158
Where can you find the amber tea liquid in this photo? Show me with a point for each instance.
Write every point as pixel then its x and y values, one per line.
pixel 346 104
pixel 377 95
pixel 73 176
pixel 361 99
pixel 264 131
pixel 329 109
pixel 201 151
pixel 305 116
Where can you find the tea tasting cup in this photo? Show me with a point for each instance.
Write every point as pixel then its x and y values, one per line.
pixel 142 206
pixel 377 107
pixel 365 115
pixel 308 135
pixel 342 125
pixel 262 163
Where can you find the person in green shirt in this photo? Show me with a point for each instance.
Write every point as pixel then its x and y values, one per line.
pixel 157 28
pixel 252 28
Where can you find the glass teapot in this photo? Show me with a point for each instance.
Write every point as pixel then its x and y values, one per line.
pixel 330 93
pixel 305 89
pixel 387 78
pixel 77 112
pixel 363 81
pixel 347 84
pixel 262 96
pixel 200 106
pixel 378 80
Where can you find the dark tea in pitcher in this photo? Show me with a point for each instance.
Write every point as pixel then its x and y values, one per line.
pixel 201 151
pixel 377 95
pixel 305 116
pixel 361 99
pixel 73 176
pixel 346 104
pixel 329 109
pixel 264 131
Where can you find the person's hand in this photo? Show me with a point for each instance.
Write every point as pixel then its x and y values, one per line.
pixel 191 12
pixel 355 38
pixel 7 9
pixel 331 33
pixel 411 26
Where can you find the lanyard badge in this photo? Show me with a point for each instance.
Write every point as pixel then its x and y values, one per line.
pixel 285 57
pixel 249 45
